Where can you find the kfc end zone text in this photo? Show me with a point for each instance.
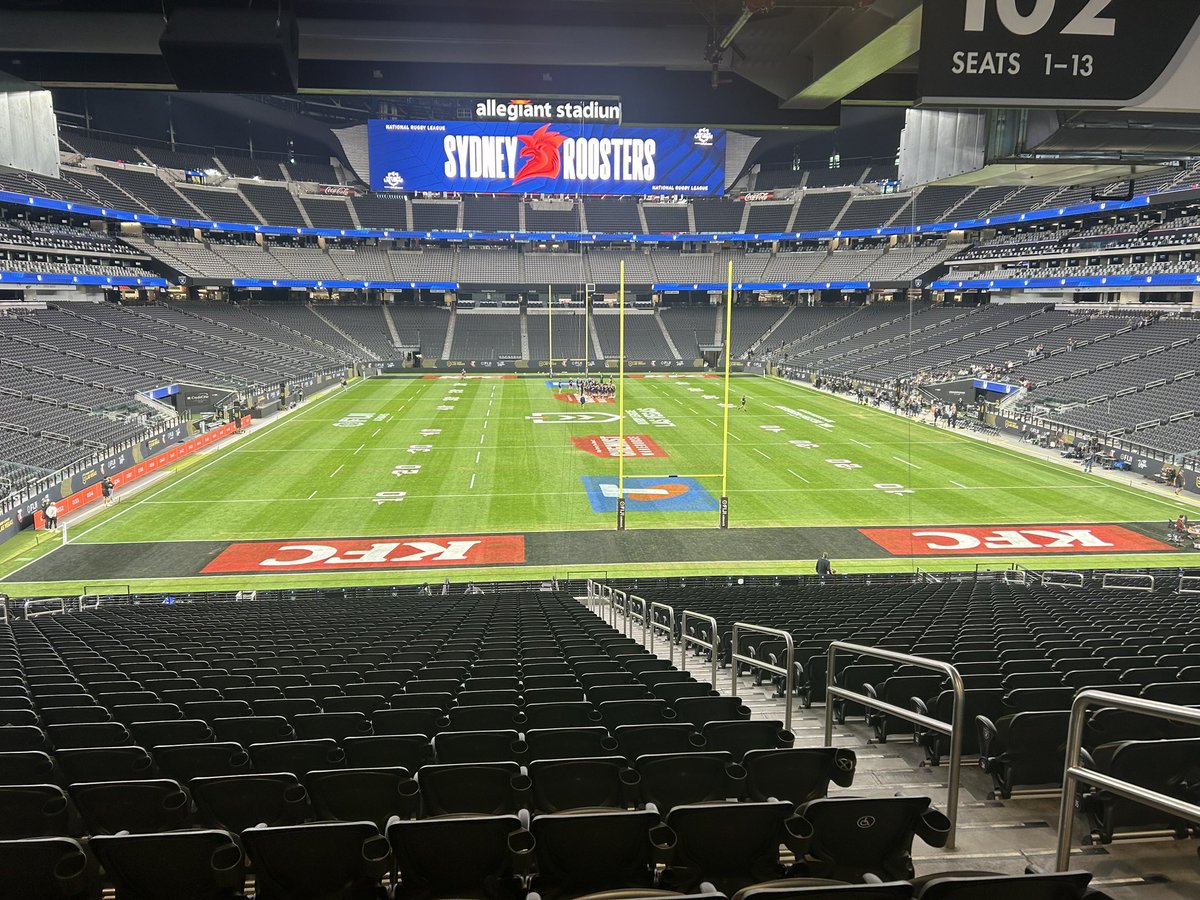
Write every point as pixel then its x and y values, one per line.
pixel 322 555
pixel 1011 539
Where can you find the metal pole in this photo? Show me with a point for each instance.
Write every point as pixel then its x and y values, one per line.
pixel 723 521
pixel 787 671
pixel 621 413
pixel 549 323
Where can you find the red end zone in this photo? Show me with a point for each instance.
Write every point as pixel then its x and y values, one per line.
pixel 1032 539
pixel 379 553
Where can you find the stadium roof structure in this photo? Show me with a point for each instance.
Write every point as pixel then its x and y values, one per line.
pixel 761 63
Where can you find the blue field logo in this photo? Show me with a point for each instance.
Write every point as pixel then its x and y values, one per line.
pixel 649 494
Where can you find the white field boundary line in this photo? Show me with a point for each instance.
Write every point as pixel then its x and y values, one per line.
pixel 978 442
pixel 220 454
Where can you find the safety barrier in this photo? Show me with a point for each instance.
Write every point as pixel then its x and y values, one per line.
pixel 1073 773
pixel 1189 584
pixel 686 640
pixel 1063 579
pixel 787 670
pixel 3 609
pixel 1127 581
pixel 47 606
pixel 89 602
pixel 637 610
pixel 667 628
pixel 954 729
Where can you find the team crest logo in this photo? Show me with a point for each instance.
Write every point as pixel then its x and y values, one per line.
pixel 393 180
pixel 540 150
pixel 703 138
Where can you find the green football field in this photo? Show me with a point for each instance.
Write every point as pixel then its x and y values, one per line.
pixel 529 475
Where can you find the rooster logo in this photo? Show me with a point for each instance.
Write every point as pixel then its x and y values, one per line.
pixel 541 151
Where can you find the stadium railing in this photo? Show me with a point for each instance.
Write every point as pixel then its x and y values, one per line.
pixel 1128 581
pixel 1189 584
pixel 665 628
pixel 1074 773
pixel 787 670
pixel 689 640
pixel 1063 579
pixel 953 729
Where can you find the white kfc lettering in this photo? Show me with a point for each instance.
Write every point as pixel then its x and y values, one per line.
pixel 313 553
pixel 959 541
pixel 451 551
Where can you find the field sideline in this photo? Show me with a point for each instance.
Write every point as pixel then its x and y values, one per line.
pixel 518 470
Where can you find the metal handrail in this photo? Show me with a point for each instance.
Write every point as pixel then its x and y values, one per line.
pixel 1189 584
pixel 1063 579
pixel 1144 582
pixel 3 609
pixel 686 640
pixel 954 729
pixel 89 602
pixel 1074 773
pixel 32 611
pixel 787 670
pixel 668 629
pixel 631 616
pixel 606 596
pixel 612 599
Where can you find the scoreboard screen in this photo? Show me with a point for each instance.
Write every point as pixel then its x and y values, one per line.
pixel 545 158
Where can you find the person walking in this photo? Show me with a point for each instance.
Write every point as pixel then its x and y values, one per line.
pixel 1180 482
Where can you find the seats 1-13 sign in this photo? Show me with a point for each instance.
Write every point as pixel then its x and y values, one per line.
pixel 1135 54
pixel 545 158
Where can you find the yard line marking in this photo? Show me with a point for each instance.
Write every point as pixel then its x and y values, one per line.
pixel 760 453
pixel 860 443
pixel 711 422
pixel 477 452
pixel 360 446
pixel 956 484
pixel 376 431
pixel 313 494
pixel 801 477
pixel 481 439
pixel 485 421
pixel 472 481
pixel 906 462
pixel 732 435
pixel 338 469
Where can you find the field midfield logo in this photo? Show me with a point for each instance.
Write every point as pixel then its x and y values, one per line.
pixel 1034 539
pixel 573 418
pixel 384 553
pixel 650 416
pixel 605 446
pixel 819 421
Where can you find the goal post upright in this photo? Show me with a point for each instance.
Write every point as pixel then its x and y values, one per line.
pixel 724 514
pixel 550 324
pixel 621 410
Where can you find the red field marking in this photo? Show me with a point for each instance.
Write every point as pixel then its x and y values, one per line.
pixel 637 446
pixel 1010 539
pixel 379 553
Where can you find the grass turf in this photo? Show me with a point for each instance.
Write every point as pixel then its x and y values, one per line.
pixel 486 465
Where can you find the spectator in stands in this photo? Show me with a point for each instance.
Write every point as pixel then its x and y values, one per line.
pixel 824 566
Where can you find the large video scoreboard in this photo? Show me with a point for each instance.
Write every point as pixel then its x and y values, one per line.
pixel 545 158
